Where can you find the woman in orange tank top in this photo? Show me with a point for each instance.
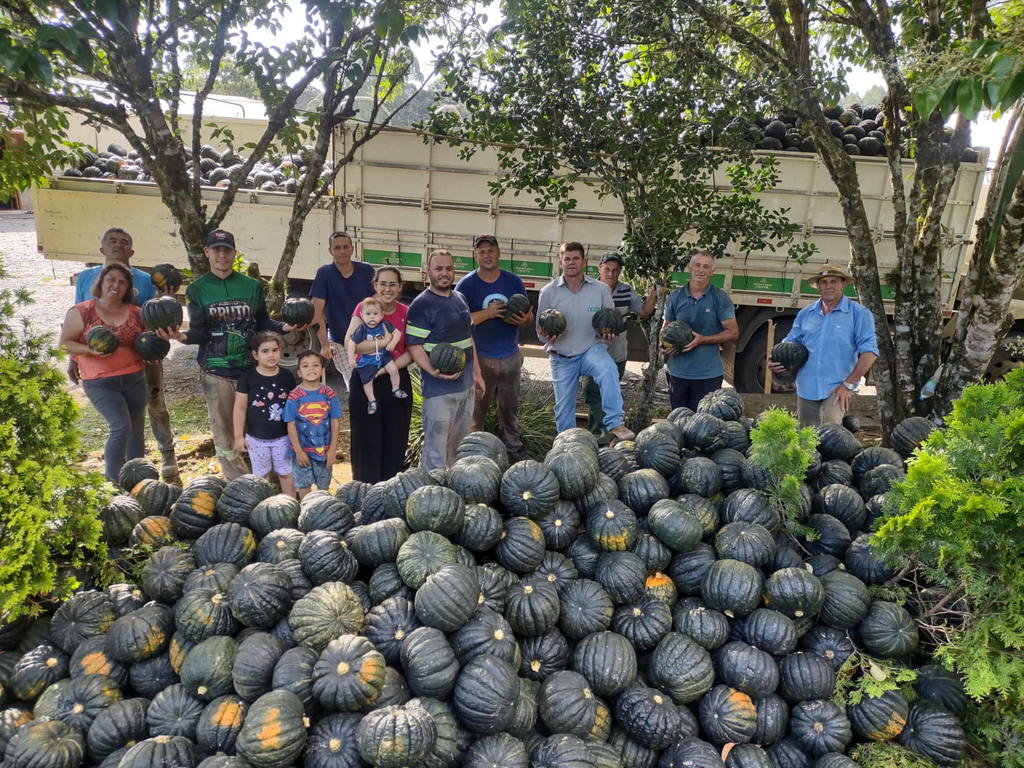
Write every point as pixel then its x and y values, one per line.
pixel 114 382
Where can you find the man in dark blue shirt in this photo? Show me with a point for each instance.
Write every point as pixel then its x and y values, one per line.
pixel 337 288
pixel 438 315
pixel 486 290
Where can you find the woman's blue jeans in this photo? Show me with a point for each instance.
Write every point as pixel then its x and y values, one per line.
pixel 121 400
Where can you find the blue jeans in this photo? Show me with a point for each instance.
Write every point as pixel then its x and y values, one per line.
pixel 121 400
pixel 565 375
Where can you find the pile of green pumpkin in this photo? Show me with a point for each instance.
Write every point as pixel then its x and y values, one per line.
pixel 639 606
pixel 217 168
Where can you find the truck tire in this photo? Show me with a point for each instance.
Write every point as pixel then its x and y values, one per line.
pixel 748 374
pixel 1008 357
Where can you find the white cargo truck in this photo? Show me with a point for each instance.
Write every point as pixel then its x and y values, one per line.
pixel 403 197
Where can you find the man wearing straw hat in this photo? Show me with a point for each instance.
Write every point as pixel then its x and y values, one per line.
pixel 840 338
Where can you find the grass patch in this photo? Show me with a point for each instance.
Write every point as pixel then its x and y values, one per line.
pixel 188 417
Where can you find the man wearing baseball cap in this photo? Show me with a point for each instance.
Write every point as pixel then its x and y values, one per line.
pixel 840 338
pixel 225 310
pixel 626 300
pixel 486 289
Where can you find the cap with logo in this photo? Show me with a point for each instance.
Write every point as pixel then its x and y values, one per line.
pixel 220 237
pixel 612 256
pixel 485 239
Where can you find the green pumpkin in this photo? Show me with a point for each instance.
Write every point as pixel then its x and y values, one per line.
pixel 151 347
pixel 101 340
pixel 165 572
pixel 163 312
pixel 206 672
pixel 476 479
pixel 439 509
pixel 326 612
pixel 134 471
pixel 348 675
pixel 260 595
pixel 166 277
pixel 517 304
pixel 486 694
pixel 676 335
pixel 155 496
pixel 396 736
pixel 448 359
pixel 240 496
pixel 49 743
pixel 608 321
pixel 791 355
pixel 607 660
pixel 195 511
pixel 274 732
pixel 551 323
pixel 298 311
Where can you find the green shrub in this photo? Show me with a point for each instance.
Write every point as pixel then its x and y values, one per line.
pixel 780 447
pixel 49 529
pixel 960 514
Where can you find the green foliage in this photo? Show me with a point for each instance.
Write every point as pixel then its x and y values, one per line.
pixel 48 521
pixel 785 451
pixel 536 419
pixel 863 675
pixel 24 163
pixel 886 754
pixel 961 510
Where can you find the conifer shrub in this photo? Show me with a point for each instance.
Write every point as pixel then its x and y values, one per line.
pixel 49 529
pixel 960 513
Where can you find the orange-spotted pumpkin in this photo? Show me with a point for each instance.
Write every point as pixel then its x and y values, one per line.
pixel 396 736
pixel 274 731
pixel 348 675
pixel 220 724
pixel 195 511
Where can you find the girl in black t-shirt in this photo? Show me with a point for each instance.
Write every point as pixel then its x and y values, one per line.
pixel 260 396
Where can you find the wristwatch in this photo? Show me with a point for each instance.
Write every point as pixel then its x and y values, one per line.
pixel 849 386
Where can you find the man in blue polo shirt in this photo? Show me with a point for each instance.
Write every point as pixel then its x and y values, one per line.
pixel 697 369
pixel 840 338
pixel 486 289
pixel 438 315
pixel 337 288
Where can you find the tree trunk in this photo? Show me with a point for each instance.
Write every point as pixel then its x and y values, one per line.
pixel 988 321
pixel 983 320
pixel 639 415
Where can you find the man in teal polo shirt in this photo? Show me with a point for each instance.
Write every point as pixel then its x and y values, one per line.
pixel 697 369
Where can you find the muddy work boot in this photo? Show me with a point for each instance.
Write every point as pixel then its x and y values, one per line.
pixel 621 434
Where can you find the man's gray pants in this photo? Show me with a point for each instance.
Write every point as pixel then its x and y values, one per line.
pixel 446 420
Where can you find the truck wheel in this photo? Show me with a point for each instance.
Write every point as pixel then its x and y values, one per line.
pixel 750 366
pixel 1008 357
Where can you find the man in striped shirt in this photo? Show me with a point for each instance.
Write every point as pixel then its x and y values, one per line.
pixel 625 300
pixel 438 315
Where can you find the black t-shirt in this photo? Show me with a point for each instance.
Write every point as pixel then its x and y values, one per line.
pixel 264 404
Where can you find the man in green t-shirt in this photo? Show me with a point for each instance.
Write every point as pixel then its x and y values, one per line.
pixel 225 310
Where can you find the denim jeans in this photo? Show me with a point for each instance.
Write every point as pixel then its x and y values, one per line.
pixel 121 400
pixel 502 377
pixel 565 375
pixel 592 394
pixel 446 420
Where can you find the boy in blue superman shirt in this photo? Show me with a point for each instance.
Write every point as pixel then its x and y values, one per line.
pixel 312 414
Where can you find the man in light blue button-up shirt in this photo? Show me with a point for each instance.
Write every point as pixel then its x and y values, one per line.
pixel 840 338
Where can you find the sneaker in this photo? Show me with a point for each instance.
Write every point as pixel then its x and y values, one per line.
pixel 620 433
pixel 371 407
pixel 400 394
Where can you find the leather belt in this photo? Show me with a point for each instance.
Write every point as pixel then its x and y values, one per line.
pixel 559 354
